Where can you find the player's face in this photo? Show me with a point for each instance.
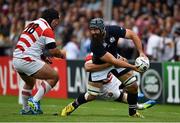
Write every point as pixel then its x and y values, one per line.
pixel 95 33
pixel 55 23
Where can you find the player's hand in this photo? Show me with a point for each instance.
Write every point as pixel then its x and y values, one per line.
pixel 136 68
pixel 143 55
pixel 46 59
pixel 63 54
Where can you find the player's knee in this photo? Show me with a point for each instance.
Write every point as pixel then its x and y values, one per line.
pixel 89 96
pixel 119 97
pixel 28 86
pixel 130 81
pixel 92 92
pixel 92 95
pixel 133 88
pixel 131 84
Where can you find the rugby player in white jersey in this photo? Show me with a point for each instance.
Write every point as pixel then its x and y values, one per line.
pixel 27 59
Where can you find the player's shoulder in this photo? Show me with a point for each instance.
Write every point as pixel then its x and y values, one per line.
pixel 43 23
pixel 113 28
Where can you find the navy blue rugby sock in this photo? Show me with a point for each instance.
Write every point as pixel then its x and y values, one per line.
pixel 79 101
pixel 132 101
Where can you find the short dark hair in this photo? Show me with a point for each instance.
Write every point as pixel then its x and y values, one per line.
pixel 49 15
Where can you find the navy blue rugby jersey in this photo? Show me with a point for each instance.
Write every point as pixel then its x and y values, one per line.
pixel 113 33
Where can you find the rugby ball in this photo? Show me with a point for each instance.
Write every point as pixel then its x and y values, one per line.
pixel 142 63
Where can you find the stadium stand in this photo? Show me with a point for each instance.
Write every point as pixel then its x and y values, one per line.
pixel 148 18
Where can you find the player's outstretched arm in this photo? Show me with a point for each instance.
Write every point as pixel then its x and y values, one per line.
pixel 109 58
pixel 57 53
pixel 90 67
pixel 135 38
pixel 53 51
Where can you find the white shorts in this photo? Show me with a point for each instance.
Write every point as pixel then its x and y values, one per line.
pixel 111 90
pixel 100 75
pixel 103 74
pixel 27 67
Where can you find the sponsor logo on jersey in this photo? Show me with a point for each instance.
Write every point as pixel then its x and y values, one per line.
pixel 105 44
pixel 112 39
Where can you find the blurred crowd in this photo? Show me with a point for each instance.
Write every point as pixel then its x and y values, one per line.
pixel 157 23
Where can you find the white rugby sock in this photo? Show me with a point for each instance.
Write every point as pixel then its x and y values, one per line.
pixel 43 89
pixel 25 95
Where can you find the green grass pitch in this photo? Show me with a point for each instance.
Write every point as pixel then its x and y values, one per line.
pixel 96 111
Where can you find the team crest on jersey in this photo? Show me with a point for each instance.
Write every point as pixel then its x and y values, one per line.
pixel 112 39
pixel 104 44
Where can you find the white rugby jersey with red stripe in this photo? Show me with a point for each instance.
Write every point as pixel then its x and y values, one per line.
pixel 33 39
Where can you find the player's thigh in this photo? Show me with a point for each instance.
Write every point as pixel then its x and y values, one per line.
pixel 133 88
pixel 96 84
pixel 30 81
pixel 129 80
pixel 46 72
pixel 93 88
pixel 125 76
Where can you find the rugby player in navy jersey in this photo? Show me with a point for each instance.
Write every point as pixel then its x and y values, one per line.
pixel 104 47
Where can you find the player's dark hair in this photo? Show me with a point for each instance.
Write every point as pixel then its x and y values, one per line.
pixel 49 15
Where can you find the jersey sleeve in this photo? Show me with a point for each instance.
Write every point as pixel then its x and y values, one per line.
pixel 49 36
pixel 118 32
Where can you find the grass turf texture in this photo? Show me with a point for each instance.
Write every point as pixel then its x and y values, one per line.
pixel 96 111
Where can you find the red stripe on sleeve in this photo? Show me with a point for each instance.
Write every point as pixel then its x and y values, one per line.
pixel 20 47
pixel 48 33
pixel 25 41
pixel 30 35
pixel 39 31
